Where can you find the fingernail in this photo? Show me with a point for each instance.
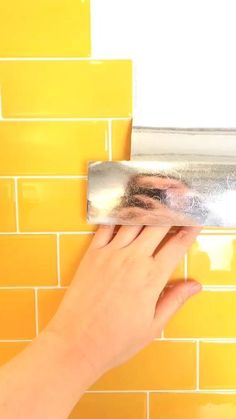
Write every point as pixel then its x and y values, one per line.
pixel 195 288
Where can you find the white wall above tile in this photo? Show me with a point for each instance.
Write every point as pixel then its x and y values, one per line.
pixel 184 57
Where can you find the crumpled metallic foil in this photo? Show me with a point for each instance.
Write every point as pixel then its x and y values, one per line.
pixel 176 178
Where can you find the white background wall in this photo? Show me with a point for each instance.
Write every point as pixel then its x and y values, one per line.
pixel 184 54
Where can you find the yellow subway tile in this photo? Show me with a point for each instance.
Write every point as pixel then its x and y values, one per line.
pixel 28 260
pixel 10 349
pixel 86 88
pixel 155 368
pixel 72 249
pixel 192 406
pixel 121 139
pixel 206 315
pixel 105 406
pixel 7 205
pixel 48 303
pixel 17 314
pixel 53 205
pixel 45 28
pixel 212 259
pixel 51 147
pixel 217 365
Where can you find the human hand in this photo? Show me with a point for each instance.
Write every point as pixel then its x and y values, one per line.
pixel 115 304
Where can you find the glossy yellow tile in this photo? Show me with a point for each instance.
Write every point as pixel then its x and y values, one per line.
pixel 28 260
pixel 66 88
pixel 208 314
pixel 217 365
pixel 7 205
pixel 17 314
pixel 52 205
pixel 212 259
pixel 72 248
pixel 192 406
pixel 155 368
pixel 48 302
pixel 10 349
pixel 51 147
pixel 105 406
pixel 121 139
pixel 45 28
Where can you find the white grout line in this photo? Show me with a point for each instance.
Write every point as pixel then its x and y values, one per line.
pixel 148 405
pixel 39 233
pixel 16 177
pixel 16 205
pixel 65 119
pixel 36 311
pixel 90 58
pixel 32 287
pixel 58 262
pixel 197 364
pixel 110 140
pixel 14 340
pixel 208 391
pixel 193 340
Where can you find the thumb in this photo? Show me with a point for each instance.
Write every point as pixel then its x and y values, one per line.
pixel 171 301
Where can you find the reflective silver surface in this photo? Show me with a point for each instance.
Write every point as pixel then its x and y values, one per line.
pixel 165 192
pixel 176 177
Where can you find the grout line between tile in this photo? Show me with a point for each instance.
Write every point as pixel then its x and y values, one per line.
pixel 16 205
pixel 90 58
pixel 36 311
pixel 197 364
pixel 39 287
pixel 208 391
pixel 45 177
pixel 110 140
pixel 148 405
pixel 39 233
pixel 14 340
pixel 58 261
pixel 194 339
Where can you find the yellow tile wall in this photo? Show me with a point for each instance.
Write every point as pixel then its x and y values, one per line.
pixel 60 108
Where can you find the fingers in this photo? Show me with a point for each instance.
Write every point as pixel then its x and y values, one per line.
pixel 174 249
pixel 125 236
pixel 102 236
pixel 171 301
pixel 148 240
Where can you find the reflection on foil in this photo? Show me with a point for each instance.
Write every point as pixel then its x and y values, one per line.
pixel 172 193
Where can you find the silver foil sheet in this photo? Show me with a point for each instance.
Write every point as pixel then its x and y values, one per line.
pixel 176 178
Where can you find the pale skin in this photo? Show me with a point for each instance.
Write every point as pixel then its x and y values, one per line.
pixel 114 307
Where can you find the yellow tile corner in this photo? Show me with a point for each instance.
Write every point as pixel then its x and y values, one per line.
pixel 17 314
pixel 52 205
pixel 72 249
pixel 28 260
pixel 8 350
pixel 48 303
pixel 191 406
pixel 119 406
